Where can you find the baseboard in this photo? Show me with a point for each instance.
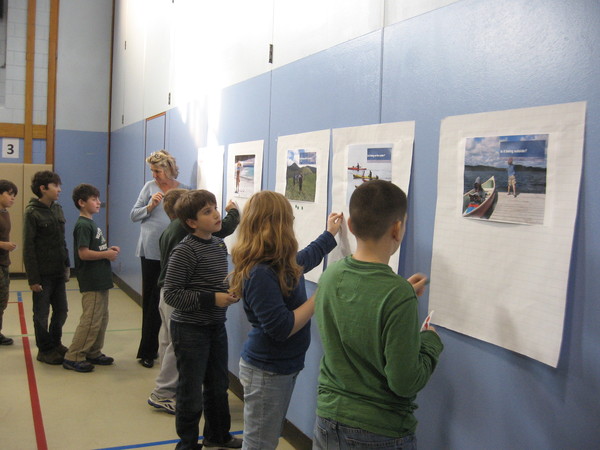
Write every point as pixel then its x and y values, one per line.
pixel 290 433
pixel 127 289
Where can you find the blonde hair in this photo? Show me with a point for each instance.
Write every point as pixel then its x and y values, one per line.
pixel 266 235
pixel 165 161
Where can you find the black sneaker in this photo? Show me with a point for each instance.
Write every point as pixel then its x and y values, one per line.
pixel 101 360
pixel 232 443
pixel 5 340
pixel 78 366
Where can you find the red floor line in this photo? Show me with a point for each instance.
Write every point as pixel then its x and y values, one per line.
pixel 38 422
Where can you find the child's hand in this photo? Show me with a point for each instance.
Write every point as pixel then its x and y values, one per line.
pixel 231 204
pixel 334 222
pixel 225 299
pixel 111 254
pixel 418 281
pixel 8 246
pixel 115 248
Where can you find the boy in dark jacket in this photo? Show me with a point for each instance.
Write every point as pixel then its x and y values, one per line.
pixel 47 265
pixel 8 192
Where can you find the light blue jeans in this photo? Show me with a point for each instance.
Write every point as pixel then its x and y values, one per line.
pixel 332 435
pixel 266 399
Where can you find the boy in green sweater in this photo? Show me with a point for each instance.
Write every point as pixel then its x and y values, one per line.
pixel 375 358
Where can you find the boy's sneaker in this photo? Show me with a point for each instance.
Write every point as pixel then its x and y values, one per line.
pixel 50 357
pixel 232 443
pixel 5 340
pixel 166 404
pixel 78 366
pixel 101 360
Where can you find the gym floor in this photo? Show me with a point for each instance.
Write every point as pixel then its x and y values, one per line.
pixel 47 407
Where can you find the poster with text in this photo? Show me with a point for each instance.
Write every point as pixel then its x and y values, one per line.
pixel 244 176
pixel 302 166
pixel 366 153
pixel 490 276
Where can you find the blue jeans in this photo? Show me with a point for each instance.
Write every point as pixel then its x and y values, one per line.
pixel 266 399
pixel 330 434
pixel 201 353
pixel 53 295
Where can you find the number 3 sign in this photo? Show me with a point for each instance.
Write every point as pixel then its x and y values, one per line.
pixel 10 148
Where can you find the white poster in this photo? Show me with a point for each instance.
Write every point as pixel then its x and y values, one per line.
pixel 244 176
pixel 302 166
pixel 361 154
pixel 210 171
pixel 503 277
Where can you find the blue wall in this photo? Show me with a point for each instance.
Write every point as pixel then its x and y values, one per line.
pixel 80 157
pixel 472 56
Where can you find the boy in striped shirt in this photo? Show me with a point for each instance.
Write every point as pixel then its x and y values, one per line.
pixel 196 287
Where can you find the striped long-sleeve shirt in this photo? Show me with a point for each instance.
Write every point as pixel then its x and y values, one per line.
pixel 197 269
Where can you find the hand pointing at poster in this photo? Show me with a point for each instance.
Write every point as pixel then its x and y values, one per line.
pixel 334 222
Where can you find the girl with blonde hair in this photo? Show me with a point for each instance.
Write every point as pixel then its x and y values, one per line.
pixel 269 276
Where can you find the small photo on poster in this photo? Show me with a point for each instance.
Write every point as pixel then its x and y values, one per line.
pixel 366 163
pixel 505 178
pixel 244 175
pixel 301 175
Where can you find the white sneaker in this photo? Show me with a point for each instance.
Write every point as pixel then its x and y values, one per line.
pixel 166 404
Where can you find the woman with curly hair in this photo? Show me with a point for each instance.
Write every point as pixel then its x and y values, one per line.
pixel 148 210
pixel 269 276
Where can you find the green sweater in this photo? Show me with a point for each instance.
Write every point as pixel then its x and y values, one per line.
pixel 375 358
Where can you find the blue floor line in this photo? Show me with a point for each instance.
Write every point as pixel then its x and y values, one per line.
pixel 154 444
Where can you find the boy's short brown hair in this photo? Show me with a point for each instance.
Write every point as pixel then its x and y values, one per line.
pixel 374 207
pixel 169 201
pixel 190 203
pixel 43 178
pixel 83 192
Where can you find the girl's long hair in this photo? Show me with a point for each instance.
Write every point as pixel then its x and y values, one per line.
pixel 266 235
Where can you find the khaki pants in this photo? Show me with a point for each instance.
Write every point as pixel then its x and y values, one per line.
pixel 89 335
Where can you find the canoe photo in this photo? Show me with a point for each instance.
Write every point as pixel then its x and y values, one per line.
pixel 367 162
pixel 505 178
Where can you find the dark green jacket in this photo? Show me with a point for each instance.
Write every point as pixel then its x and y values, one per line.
pixel 44 246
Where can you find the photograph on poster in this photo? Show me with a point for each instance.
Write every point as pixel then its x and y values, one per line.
pixel 243 173
pixel 366 163
pixel 301 175
pixel 505 178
